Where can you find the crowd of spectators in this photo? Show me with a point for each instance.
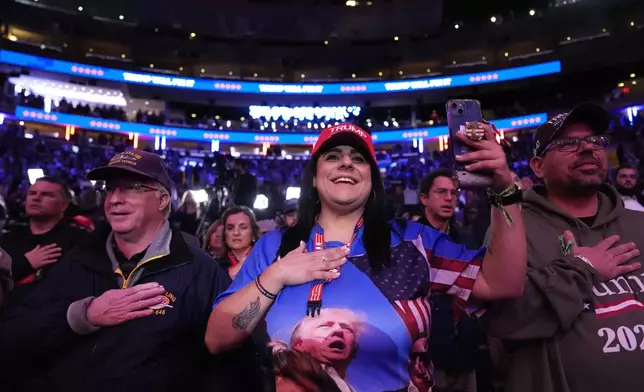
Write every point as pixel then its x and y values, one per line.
pixel 403 166
pixel 409 176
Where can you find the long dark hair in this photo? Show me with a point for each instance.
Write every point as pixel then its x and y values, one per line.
pixel 377 230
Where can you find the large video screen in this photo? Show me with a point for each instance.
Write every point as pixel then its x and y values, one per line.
pixel 233 86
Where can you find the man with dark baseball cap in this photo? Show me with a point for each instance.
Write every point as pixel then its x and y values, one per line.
pixel 142 163
pixel 289 213
pixel 592 115
pixel 128 310
pixel 582 299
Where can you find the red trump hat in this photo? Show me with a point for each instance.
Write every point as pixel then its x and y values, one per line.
pixel 346 133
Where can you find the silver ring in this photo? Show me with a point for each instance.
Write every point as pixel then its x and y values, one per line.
pixel 323 259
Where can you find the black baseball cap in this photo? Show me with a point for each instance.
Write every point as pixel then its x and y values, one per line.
pixel 143 163
pixel 593 115
pixel 289 206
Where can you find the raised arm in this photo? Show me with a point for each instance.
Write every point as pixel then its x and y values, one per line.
pixel 504 265
pixel 502 274
pixel 235 317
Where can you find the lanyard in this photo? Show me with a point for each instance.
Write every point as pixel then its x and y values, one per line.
pixel 233 259
pixel 314 304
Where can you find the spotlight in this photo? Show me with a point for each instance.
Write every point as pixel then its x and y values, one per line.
pixel 261 202
pixel 34 175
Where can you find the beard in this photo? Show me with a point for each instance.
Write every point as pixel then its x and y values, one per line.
pixel 585 183
pixel 583 188
pixel 576 185
pixel 626 191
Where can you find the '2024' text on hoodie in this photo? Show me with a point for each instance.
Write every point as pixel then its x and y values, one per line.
pixel 569 332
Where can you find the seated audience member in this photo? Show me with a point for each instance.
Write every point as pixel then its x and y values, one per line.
pixel 125 311
pixel 576 326
pixel 37 247
pixel 240 233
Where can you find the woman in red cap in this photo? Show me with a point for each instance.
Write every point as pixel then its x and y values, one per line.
pixel 349 288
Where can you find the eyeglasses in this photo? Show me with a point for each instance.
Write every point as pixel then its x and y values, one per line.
pixel 571 144
pixel 442 192
pixel 129 188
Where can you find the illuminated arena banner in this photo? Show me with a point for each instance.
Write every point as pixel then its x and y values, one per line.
pixel 232 86
pixel 243 136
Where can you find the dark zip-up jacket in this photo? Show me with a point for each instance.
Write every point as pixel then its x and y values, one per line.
pixel 66 234
pixel 161 352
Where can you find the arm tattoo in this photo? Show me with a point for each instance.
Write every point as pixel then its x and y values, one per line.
pixel 244 318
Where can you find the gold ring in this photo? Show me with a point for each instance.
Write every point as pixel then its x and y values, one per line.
pixel 476 134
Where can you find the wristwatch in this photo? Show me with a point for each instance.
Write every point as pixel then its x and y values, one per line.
pixel 509 196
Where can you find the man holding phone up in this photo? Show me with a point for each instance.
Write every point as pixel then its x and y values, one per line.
pixel 579 325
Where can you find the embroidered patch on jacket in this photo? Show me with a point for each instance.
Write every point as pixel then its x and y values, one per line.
pixel 168 300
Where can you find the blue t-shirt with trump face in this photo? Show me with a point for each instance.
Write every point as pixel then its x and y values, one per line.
pixel 371 333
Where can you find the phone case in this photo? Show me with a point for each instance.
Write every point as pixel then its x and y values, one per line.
pixel 460 112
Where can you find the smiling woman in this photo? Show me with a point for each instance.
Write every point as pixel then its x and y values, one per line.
pixel 338 186
pixel 347 287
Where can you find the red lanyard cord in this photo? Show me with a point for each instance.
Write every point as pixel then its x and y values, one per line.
pixel 314 303
pixel 233 260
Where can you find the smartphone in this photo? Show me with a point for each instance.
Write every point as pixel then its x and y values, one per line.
pixel 460 112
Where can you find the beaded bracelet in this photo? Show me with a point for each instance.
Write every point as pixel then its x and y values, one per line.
pixel 264 292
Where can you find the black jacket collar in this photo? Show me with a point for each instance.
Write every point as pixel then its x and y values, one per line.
pixel 94 254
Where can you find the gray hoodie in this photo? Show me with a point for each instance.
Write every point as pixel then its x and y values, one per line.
pixel 567 334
